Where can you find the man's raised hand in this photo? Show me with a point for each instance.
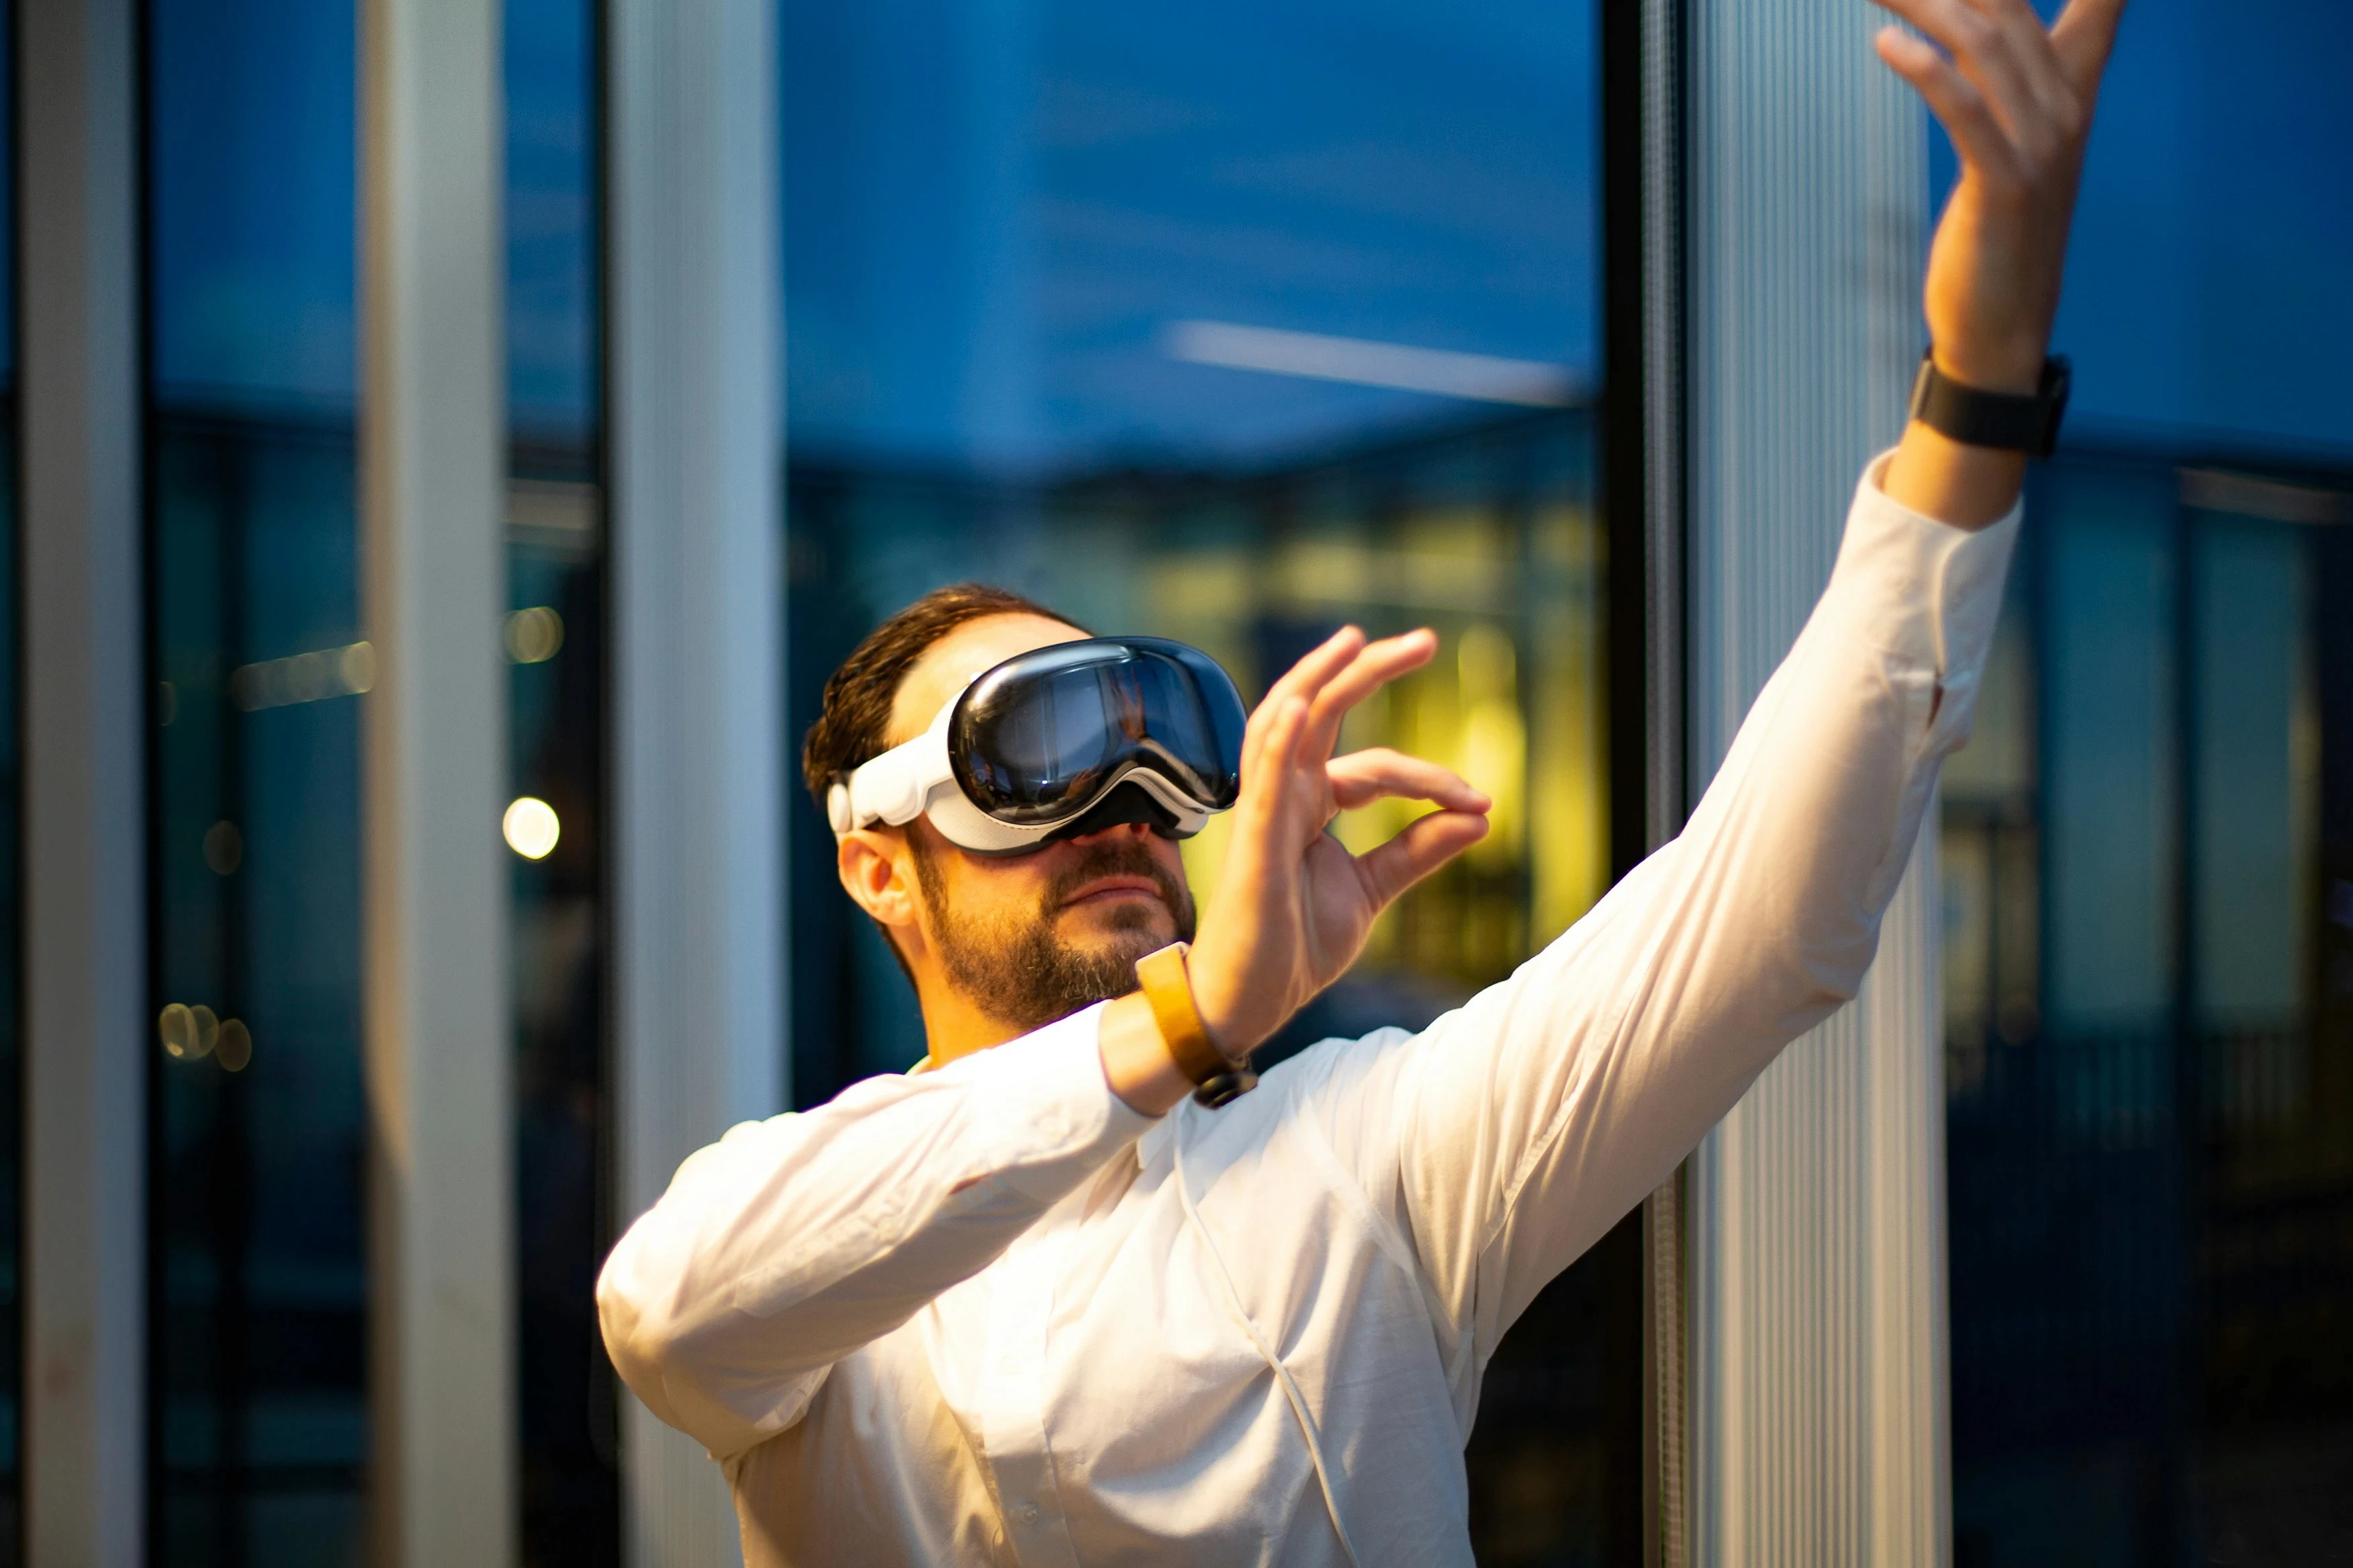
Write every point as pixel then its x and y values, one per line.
pixel 1293 907
pixel 2017 99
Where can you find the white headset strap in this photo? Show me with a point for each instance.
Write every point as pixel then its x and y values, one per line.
pixel 895 786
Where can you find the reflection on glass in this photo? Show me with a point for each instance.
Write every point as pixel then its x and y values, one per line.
pixel 2150 1028
pixel 1234 327
pixel 259 1293
pixel 553 641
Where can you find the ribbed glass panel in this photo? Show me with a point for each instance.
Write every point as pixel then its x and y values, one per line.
pixel 1816 1308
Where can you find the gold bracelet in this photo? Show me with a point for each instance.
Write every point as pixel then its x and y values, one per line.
pixel 1168 987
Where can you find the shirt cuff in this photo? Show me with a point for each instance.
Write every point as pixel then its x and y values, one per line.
pixel 1047 1096
pixel 1925 591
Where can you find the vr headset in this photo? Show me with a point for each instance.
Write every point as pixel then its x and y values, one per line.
pixel 1064 740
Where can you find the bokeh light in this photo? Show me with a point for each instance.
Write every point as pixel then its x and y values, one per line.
pixel 531 828
pixel 535 636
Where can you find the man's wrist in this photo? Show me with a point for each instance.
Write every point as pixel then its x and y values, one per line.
pixel 1967 487
pixel 1137 1063
pixel 2015 369
pixel 1216 1075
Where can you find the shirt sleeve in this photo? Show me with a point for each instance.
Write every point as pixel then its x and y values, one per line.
pixel 791 1242
pixel 1511 1134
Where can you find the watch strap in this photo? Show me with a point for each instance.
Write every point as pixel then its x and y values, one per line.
pixel 1167 986
pixel 2002 420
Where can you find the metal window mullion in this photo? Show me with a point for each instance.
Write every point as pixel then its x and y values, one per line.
pixel 699 775
pixel 84 819
pixel 437 1016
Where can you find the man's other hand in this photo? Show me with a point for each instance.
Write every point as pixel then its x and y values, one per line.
pixel 2017 100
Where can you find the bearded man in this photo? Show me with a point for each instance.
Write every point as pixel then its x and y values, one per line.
pixel 1070 1292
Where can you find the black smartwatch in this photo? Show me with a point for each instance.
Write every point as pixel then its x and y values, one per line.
pixel 1999 419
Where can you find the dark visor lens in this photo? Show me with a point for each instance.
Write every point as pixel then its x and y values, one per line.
pixel 1044 733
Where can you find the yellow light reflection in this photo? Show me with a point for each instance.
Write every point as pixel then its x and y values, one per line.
pixel 187 1033
pixel 531 828
pixel 347 671
pixel 535 636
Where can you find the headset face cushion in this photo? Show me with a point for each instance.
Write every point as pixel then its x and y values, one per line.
pixel 1043 736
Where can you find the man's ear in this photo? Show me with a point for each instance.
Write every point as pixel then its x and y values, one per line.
pixel 879 874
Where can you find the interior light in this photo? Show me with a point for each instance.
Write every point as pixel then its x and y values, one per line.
pixel 236 1045
pixel 531 828
pixel 535 636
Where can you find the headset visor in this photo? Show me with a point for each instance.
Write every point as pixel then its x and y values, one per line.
pixel 1047 733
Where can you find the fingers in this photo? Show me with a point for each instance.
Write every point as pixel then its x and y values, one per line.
pixel 1428 842
pixel 1999 49
pixel 1981 49
pixel 1374 667
pixel 1377 773
pixel 1304 679
pixel 1962 109
pixel 1326 659
pixel 2028 46
pixel 1339 674
pixel 1265 775
pixel 2082 38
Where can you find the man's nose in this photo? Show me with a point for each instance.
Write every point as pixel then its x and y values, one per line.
pixel 1102 835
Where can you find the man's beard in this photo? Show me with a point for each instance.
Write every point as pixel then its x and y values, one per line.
pixel 1017 969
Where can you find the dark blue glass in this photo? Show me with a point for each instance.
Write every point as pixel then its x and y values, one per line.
pixel 260 1296
pixel 258 1291
pixel 2205 296
pixel 2147 855
pixel 556 739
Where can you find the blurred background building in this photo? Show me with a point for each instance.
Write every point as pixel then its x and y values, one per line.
pixel 1560 327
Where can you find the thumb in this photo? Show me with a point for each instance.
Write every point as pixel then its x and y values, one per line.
pixel 1427 843
pixel 2082 38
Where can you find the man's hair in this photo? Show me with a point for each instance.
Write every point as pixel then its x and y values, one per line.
pixel 854 726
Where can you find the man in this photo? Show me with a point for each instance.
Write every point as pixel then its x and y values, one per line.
pixel 1030 1304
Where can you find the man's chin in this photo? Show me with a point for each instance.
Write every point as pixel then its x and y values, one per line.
pixel 1128 930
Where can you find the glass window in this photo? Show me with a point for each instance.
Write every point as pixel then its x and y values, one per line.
pixel 1234 327
pixel 260 1288
pixel 258 1292
pixel 555 639
pixel 2148 855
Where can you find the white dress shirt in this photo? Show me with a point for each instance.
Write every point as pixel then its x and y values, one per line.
pixel 988 1314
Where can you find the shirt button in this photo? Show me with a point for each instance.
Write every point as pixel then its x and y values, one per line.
pixel 1025 1512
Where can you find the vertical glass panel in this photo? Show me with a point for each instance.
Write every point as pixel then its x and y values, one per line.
pixel 258 1294
pixel 1235 326
pixel 2109 716
pixel 12 1120
pixel 2151 1129
pixel 554 644
pixel 2151 1176
pixel 2251 776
